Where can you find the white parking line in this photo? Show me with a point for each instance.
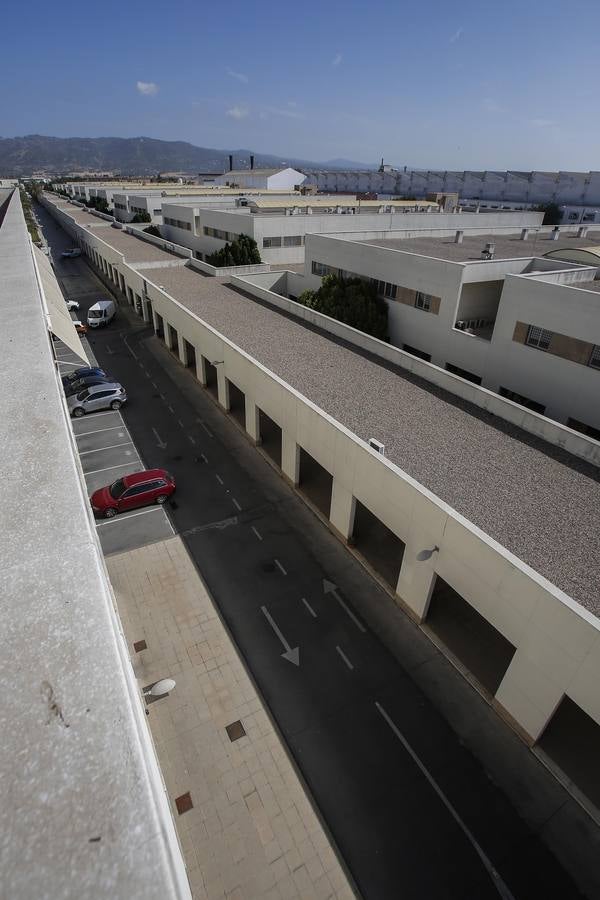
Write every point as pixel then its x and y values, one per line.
pixel 108 468
pixel 100 449
pixel 257 533
pixel 236 504
pixel 98 430
pixel 309 607
pixel 125 517
pixel 191 439
pixel 495 877
pixel 180 423
pixel 207 430
pixel 344 657
pixel 219 479
pixel 97 415
pixel 170 408
pixel 202 456
pixel 280 567
pixel 154 384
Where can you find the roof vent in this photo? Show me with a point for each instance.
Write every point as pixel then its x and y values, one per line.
pixel 555 233
pixel 458 237
pixel 582 231
pixel 524 234
pixel 377 446
pixel 488 251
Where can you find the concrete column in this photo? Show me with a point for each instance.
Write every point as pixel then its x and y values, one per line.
pixel 252 420
pixel 182 349
pixel 416 581
pixel 145 309
pixel 154 321
pixel 290 458
pixel 528 696
pixel 343 507
pixel 201 369
pixel 223 388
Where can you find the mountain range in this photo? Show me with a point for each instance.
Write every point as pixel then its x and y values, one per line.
pixel 36 153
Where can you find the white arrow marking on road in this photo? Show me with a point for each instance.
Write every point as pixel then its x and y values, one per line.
pixel 330 588
pixel 292 655
pixel 108 349
pixel 160 443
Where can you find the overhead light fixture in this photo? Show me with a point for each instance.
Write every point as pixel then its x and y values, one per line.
pixel 424 555
pixel 160 688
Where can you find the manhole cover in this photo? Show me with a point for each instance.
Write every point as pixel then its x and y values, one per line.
pixel 235 731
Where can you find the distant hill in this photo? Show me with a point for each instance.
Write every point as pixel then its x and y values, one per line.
pixel 128 156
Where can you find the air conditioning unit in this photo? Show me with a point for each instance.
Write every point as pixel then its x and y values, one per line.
pixel 377 446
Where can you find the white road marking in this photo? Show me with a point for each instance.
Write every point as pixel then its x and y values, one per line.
pixel 98 414
pixel 170 408
pixel 100 449
pixel 330 588
pixel 193 441
pixel 180 423
pixel 108 468
pixel 66 363
pixel 98 430
pixel 236 504
pixel 344 657
pixel 257 533
pixel 154 384
pixel 499 884
pixel 309 608
pixel 219 479
pixel 202 456
pixel 162 397
pixel 280 567
pixel 129 348
pixel 207 430
pixel 125 517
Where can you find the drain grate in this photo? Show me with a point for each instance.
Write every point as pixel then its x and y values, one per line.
pixel 184 803
pixel 235 731
pixel 140 645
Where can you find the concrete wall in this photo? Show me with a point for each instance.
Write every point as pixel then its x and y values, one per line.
pixel 557 641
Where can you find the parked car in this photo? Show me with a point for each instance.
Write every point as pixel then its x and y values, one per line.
pixel 131 491
pixel 72 304
pixel 82 372
pixel 101 313
pixel 76 387
pixel 71 253
pixel 99 396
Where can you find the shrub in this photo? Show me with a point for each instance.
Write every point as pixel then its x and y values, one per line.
pixel 153 230
pixel 241 252
pixel 142 217
pixel 354 302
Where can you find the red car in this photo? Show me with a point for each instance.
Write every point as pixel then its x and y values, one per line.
pixel 139 489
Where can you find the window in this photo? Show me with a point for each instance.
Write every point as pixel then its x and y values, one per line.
pixel 293 240
pixel 414 352
pixel 271 242
pixel 463 373
pixel 589 217
pixel 218 234
pixel 117 489
pixel 386 289
pixel 423 301
pixel 538 337
pixel 135 490
pixel 594 361
pixel 321 269
pixel 522 401
pixel 588 430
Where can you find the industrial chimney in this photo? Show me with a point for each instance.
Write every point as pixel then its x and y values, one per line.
pixel 251 162
pixel 231 162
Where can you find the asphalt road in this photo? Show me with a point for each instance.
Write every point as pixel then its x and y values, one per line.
pixel 412 812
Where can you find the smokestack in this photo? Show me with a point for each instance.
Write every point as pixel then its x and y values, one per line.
pixel 231 162
pixel 555 233
pixel 251 162
pixel 524 234
pixel 458 237
pixel 582 231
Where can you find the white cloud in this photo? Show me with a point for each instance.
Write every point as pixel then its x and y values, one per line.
pixel 148 88
pixel 336 60
pixel 239 75
pixel 456 35
pixel 238 112
pixel 542 123
pixel 288 113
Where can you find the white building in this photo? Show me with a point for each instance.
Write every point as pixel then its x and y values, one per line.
pixel 524 324
pixel 265 179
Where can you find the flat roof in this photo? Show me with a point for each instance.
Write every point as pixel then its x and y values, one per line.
pixel 320 201
pixel 506 246
pixel 539 502
pixel 134 249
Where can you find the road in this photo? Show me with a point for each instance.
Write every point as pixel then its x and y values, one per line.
pixel 412 812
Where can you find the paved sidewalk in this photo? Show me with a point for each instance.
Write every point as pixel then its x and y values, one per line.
pixel 252 832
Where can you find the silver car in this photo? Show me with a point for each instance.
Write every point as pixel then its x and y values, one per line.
pixel 95 397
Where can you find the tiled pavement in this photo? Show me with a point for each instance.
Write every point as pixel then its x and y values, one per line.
pixel 251 833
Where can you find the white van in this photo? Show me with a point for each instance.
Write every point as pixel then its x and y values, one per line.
pixel 101 313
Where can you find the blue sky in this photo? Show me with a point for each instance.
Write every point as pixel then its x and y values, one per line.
pixel 430 84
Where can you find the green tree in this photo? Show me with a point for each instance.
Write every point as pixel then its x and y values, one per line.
pixel 241 252
pixel 153 230
pixel 552 213
pixel 354 302
pixel 142 217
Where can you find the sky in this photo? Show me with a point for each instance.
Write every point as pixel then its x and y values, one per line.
pixel 461 85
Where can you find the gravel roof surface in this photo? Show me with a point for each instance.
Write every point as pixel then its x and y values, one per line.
pixel 507 246
pixel 537 501
pixel 135 249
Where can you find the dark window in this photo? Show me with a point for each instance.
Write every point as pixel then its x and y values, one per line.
pixel 136 490
pixel 414 352
pixel 463 373
pixel 423 301
pixel 588 430
pixel 117 489
pixel 538 337
pixel 271 242
pixel 522 401
pixel 594 360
